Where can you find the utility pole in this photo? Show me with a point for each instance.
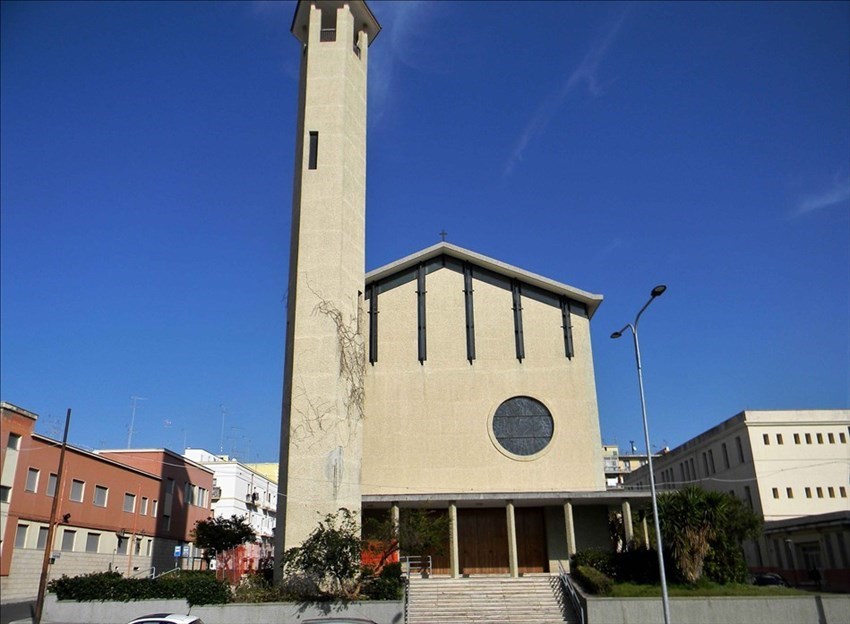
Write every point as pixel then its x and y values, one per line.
pixel 51 527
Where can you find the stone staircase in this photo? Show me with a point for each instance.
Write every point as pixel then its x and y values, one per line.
pixel 528 599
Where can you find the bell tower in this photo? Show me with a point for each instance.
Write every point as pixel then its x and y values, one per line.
pixel 322 412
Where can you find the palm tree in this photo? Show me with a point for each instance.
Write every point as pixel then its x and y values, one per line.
pixel 689 518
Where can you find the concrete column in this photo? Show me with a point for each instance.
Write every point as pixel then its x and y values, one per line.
pixel 571 532
pixel 512 551
pixel 627 522
pixel 454 558
pixel 394 514
pixel 645 532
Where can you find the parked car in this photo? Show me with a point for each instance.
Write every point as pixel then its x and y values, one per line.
pixel 769 578
pixel 167 618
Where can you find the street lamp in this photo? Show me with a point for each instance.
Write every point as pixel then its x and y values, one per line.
pixel 656 292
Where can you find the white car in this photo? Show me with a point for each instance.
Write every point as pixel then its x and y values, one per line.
pixel 167 618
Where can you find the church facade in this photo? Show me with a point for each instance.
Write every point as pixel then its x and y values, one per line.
pixel 446 380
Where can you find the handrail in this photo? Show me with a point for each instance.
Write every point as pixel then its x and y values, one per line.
pixel 406 582
pixel 177 569
pixel 419 561
pixel 571 591
pixel 150 571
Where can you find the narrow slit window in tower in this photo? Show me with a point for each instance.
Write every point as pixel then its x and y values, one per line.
pixel 314 150
pixel 328 24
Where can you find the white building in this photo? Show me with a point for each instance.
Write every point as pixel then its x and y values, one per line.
pixel 790 466
pixel 240 491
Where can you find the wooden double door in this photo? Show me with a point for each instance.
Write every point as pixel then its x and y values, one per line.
pixel 483 540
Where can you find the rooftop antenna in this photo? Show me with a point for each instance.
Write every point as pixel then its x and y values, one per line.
pixel 134 399
pixel 221 437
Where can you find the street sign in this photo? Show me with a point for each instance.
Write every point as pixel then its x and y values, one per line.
pixel 177 551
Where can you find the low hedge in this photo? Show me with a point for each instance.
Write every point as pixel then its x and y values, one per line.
pixel 197 588
pixel 593 580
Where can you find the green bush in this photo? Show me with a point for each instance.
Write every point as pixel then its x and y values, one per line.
pixel 602 560
pixel 593 580
pixel 637 566
pixel 197 588
pixel 388 585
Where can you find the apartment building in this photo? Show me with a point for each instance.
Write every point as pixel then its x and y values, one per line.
pixel 240 490
pixel 793 468
pixel 113 514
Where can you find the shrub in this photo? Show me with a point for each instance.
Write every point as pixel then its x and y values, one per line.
pixel 197 588
pixel 388 585
pixel 637 566
pixel 595 558
pixel 593 580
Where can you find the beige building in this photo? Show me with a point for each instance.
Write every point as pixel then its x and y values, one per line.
pixel 792 467
pixel 446 380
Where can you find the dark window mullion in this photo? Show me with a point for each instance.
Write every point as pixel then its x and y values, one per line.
pixel 567 323
pixel 516 293
pixel 373 323
pixel 470 316
pixel 420 300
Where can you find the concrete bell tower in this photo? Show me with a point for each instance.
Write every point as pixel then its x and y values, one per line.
pixel 321 421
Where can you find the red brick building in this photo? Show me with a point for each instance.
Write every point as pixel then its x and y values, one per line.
pixel 119 510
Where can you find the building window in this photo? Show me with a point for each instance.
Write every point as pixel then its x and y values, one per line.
pixel 842 491
pixel 808 492
pixel 711 461
pixel 523 426
pixel 725 455
pixel 77 490
pixel 189 494
pixel 748 495
pixel 129 502
pixel 740 449
pixel 14 443
pixel 5 493
pixel 68 537
pixel 820 492
pixel 51 484
pixel 831 438
pixel 779 438
pixel 328 30
pixel 766 439
pixel 42 538
pixel 789 492
pixel 808 438
pixel 92 542
pixel 313 162
pixel 775 492
pixel 100 495
pixel 137 550
pixel 32 480
pixel 144 510
pixel 842 438
pixel 154 508
pixel 820 438
pixel 21 536
pixel 169 497
pixel 831 491
pixel 796 438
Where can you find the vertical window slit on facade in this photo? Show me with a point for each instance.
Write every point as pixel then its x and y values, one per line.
pixel 567 323
pixel 516 293
pixel 420 308
pixel 313 158
pixel 328 32
pixel 373 323
pixel 470 317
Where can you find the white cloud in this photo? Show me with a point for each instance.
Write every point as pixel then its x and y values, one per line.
pixel 585 73
pixel 837 193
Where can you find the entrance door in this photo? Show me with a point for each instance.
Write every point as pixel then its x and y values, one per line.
pixel 531 540
pixel 483 541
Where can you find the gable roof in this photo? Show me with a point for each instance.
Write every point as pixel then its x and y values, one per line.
pixel 591 300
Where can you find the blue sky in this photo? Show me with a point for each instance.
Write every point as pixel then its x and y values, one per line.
pixel 146 175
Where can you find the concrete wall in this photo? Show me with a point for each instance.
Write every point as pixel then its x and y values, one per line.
pixel 428 426
pixel 827 609
pixel 382 612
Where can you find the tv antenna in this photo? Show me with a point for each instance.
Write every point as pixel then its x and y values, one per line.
pixel 133 399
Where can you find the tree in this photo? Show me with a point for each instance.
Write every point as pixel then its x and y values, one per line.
pixel 699 525
pixel 419 532
pixel 330 555
pixel 218 536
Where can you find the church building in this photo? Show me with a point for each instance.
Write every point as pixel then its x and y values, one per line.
pixel 446 380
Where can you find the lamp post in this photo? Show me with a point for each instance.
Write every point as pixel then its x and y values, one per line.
pixel 656 292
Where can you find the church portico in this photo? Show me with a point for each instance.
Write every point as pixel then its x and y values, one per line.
pixel 513 534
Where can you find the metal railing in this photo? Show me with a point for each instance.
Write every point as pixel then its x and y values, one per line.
pixel 567 584
pixel 171 571
pixel 416 562
pixel 151 572
pixel 327 34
